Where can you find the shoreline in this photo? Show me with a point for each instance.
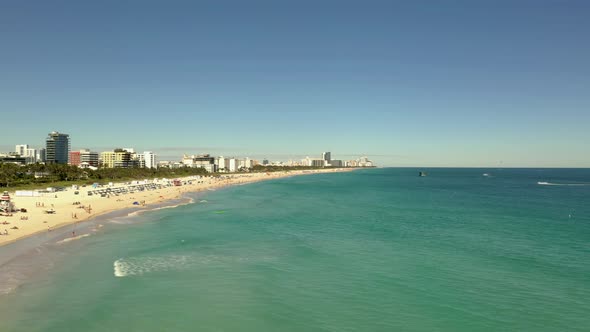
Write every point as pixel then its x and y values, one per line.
pixel 72 209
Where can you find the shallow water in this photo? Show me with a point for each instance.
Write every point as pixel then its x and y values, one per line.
pixel 370 250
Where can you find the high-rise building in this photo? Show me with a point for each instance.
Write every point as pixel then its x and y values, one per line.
pixel 312 162
pixel 57 148
pixel 31 155
pixel 327 156
pixel 40 156
pixel 150 160
pixel 21 149
pixel 222 164
pixel 234 164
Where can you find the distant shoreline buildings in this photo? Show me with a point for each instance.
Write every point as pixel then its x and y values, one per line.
pixel 58 145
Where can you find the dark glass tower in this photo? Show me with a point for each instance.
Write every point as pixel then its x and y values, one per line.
pixel 57 148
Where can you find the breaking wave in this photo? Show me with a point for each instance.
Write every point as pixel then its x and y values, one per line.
pixel 135 266
pixel 73 238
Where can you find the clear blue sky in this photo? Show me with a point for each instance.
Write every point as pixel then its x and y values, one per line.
pixel 427 83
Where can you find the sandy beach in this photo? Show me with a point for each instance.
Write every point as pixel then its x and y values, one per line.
pixel 54 210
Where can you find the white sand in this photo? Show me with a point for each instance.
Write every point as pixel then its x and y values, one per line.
pixel 67 213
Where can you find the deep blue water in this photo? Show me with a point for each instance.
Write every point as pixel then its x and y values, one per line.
pixel 369 250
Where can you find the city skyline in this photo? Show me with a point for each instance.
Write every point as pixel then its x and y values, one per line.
pixel 406 84
pixel 21 149
pixel 58 150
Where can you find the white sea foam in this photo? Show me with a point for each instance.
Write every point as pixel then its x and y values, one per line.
pixel 134 213
pixel 73 238
pixel 167 207
pixel 190 201
pixel 138 212
pixel 135 266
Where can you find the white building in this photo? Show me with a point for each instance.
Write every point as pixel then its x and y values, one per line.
pixel 40 157
pixel 200 161
pixel 310 162
pixel 361 162
pixel 222 164
pixel 150 159
pixel 21 149
pixel 234 164
pixel 30 154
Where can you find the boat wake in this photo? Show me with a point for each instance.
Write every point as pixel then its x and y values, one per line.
pixel 542 183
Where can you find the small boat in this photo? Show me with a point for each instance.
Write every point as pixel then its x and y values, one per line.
pixel 422 174
pixel 486 174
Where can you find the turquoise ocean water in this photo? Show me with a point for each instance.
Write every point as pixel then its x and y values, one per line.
pixel 369 250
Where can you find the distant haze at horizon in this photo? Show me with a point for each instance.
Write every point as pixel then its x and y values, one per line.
pixel 461 84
